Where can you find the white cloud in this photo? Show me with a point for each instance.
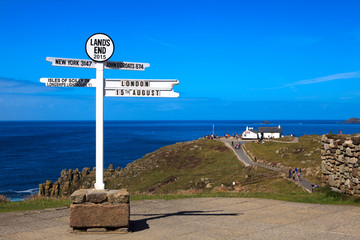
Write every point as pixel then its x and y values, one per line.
pixel 338 76
pixel 328 78
pixel 14 86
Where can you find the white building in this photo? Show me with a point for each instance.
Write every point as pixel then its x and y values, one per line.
pixel 270 132
pixel 262 132
pixel 249 133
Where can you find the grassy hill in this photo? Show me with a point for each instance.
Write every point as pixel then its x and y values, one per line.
pixel 200 166
pixel 305 154
pixel 192 167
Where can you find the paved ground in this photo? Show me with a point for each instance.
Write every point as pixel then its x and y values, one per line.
pixel 239 152
pixel 202 218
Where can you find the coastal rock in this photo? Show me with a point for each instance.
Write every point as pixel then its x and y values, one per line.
pixel 111 167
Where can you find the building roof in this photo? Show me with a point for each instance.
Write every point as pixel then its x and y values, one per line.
pixel 252 130
pixel 269 130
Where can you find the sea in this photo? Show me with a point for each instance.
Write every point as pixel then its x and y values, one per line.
pixel 32 152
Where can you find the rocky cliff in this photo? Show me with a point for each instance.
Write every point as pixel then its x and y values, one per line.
pixel 71 180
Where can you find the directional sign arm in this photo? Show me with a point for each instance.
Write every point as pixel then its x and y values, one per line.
pixel 84 63
pixel 140 92
pixel 69 62
pixel 68 82
pixel 141 83
pixel 140 88
pixel 126 65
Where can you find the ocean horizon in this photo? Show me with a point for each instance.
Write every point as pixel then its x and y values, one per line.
pixel 32 152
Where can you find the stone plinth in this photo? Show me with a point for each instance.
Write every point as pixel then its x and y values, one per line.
pixel 100 210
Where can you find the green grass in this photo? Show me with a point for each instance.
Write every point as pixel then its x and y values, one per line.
pixel 182 166
pixel 285 139
pixel 33 204
pixel 305 154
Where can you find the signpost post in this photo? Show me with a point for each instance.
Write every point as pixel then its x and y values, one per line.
pixel 100 47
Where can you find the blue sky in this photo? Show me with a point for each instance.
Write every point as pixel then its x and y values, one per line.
pixel 234 59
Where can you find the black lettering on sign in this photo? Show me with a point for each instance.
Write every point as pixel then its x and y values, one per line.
pixel 73 62
pixel 109 64
pixel 83 83
pixel 139 66
pixel 144 93
pixel 55 85
pixel 60 61
pixel 120 92
pixel 100 50
pixel 135 83
pixel 53 80
pixel 100 42
pixel 86 63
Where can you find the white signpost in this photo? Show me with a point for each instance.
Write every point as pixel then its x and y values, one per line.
pixel 100 47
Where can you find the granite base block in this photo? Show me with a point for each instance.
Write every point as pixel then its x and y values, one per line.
pixel 100 211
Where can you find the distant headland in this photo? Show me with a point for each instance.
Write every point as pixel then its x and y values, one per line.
pixel 352 120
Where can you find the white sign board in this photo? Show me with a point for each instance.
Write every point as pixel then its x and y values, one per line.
pixel 140 88
pixel 83 63
pixel 141 83
pixel 99 47
pixel 68 82
pixel 69 62
pixel 126 65
pixel 140 92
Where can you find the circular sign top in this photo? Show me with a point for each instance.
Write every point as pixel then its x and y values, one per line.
pixel 99 47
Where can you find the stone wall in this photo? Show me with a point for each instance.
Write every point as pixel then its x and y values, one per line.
pixel 340 163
